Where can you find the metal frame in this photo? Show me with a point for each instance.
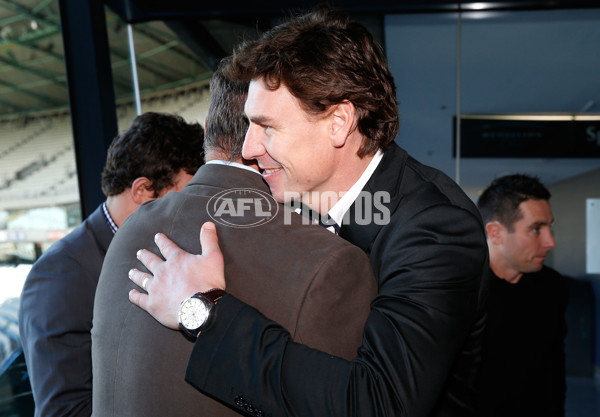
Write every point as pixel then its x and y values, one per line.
pixel 91 93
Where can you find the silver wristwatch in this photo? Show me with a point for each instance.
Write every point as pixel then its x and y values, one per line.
pixel 195 312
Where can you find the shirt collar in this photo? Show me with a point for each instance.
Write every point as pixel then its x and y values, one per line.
pixel 231 163
pixel 343 204
pixel 111 223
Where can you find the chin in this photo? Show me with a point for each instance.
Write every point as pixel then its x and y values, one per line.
pixel 280 196
pixel 536 267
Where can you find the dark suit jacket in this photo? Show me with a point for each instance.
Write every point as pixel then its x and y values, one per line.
pixel 286 271
pixel 523 368
pixel 422 338
pixel 55 319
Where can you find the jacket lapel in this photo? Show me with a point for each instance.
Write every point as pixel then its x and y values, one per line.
pixel 387 178
pixel 100 228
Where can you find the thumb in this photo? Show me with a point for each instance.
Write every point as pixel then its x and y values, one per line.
pixel 214 267
pixel 209 240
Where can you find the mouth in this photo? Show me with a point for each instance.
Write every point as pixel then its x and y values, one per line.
pixel 269 171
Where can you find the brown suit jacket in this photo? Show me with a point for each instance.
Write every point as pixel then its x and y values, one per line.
pixel 313 283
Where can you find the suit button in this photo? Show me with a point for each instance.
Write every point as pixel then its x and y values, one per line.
pixel 240 401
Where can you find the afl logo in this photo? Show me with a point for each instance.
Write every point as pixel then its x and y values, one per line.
pixel 242 207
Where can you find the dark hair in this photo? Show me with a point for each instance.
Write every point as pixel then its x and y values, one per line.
pixel 156 146
pixel 226 124
pixel 500 201
pixel 324 59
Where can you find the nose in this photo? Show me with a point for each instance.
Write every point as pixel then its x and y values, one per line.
pixel 253 146
pixel 549 241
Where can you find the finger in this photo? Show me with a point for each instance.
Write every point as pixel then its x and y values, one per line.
pixel 149 259
pixel 138 277
pixel 209 239
pixel 139 299
pixel 167 247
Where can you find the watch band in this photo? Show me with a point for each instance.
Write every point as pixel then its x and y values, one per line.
pixel 213 295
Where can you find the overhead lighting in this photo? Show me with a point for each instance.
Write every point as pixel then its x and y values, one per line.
pixel 483 5
pixel 481 10
pixel 477 6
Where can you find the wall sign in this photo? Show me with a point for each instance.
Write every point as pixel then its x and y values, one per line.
pixel 530 136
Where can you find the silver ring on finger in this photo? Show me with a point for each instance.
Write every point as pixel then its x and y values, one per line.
pixel 145 282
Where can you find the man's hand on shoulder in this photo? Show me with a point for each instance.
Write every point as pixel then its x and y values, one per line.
pixel 178 277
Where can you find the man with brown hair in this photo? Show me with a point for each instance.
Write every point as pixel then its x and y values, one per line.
pixel 323 118
pixel 156 154
pixel 138 364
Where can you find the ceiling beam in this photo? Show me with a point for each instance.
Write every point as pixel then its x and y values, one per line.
pixel 24 87
pixel 13 106
pixel 159 36
pixel 38 96
pixel 24 11
pixel 135 11
pixel 58 79
pixel 145 66
pixel 200 41
pixel 180 83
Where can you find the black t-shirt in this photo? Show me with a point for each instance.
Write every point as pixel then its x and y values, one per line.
pixel 523 368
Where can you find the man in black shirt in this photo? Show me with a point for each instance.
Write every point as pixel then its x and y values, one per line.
pixel 523 370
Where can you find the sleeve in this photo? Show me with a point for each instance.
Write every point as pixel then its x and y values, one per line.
pixel 337 302
pixel 55 320
pixel 429 267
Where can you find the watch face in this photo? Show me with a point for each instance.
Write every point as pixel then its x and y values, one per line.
pixel 193 313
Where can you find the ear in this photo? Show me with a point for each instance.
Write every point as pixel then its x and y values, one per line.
pixel 495 232
pixel 342 122
pixel 141 190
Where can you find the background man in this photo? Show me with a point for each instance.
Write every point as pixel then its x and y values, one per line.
pixel 158 153
pixel 523 372
pixel 323 118
pixel 281 267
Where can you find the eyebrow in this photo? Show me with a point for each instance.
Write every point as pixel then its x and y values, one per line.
pixel 261 120
pixel 538 224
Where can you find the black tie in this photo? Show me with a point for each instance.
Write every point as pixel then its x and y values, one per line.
pixel 324 221
pixel 328 223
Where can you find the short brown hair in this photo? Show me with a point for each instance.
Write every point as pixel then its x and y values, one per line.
pixel 156 146
pixel 324 58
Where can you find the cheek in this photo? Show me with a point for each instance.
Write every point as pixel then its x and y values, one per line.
pixel 513 248
pixel 526 248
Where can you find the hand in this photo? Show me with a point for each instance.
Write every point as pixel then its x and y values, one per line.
pixel 178 277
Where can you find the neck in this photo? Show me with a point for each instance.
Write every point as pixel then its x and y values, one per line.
pixel 120 206
pixel 349 169
pixel 502 270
